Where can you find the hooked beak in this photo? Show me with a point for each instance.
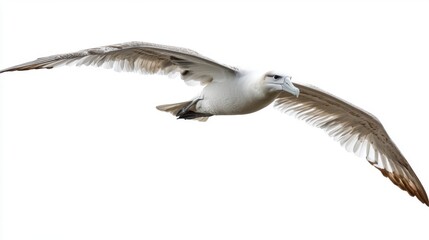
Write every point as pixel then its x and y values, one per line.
pixel 289 87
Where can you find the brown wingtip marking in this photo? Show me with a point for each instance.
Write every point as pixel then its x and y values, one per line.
pixel 407 185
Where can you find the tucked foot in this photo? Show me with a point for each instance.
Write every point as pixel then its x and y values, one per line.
pixel 185 110
pixel 186 113
pixel 192 115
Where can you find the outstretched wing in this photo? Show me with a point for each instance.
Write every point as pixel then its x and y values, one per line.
pixel 356 130
pixel 146 58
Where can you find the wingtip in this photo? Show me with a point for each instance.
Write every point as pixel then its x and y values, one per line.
pixel 425 200
pixel 412 186
pixel 10 69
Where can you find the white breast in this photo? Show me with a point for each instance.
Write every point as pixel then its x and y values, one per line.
pixel 242 95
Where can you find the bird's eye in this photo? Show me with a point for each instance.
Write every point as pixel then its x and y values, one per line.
pixel 276 77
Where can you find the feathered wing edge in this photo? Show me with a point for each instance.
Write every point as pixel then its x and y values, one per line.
pixel 146 58
pixel 356 130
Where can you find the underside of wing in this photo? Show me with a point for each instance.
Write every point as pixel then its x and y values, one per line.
pixel 146 58
pixel 358 131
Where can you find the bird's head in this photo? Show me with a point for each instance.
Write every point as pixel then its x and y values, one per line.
pixel 276 82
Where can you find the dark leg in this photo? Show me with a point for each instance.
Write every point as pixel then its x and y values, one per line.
pixel 185 113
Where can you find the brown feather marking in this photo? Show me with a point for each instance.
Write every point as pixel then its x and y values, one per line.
pixel 343 121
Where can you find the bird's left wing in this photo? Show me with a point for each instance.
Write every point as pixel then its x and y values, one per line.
pixel 146 58
pixel 357 130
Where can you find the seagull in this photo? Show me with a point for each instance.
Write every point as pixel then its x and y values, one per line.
pixel 231 91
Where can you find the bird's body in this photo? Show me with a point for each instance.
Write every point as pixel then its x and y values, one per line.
pixel 231 91
pixel 240 95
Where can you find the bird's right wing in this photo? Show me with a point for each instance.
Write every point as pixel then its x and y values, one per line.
pixel 356 130
pixel 146 58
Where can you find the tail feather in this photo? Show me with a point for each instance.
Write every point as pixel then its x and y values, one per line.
pixel 173 108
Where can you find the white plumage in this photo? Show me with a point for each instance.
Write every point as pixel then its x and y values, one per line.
pixel 230 91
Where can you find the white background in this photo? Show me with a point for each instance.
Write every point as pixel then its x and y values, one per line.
pixel 85 154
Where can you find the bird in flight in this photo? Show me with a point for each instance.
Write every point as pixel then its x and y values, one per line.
pixel 231 91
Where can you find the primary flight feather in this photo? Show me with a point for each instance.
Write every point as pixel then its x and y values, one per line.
pixel 231 91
